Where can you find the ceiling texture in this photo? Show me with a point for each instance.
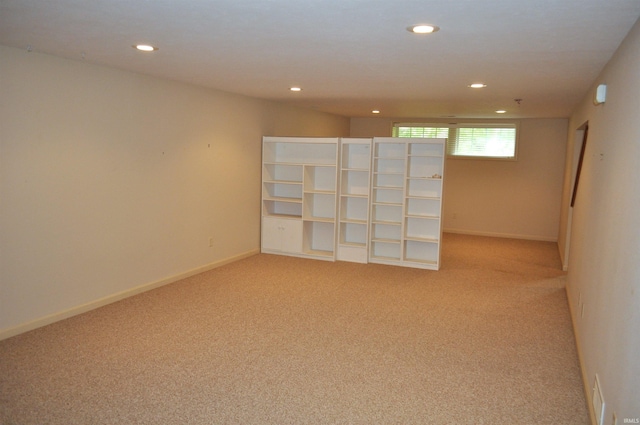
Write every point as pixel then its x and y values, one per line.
pixel 349 56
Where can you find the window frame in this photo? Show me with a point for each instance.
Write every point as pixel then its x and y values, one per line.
pixel 456 125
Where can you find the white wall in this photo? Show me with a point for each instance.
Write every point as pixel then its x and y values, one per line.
pixel 518 199
pixel 604 253
pixel 110 181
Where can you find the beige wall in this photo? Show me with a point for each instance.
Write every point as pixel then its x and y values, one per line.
pixel 518 199
pixel 111 181
pixel 604 250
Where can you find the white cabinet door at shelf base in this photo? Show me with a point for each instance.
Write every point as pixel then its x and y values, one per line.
pixel 281 235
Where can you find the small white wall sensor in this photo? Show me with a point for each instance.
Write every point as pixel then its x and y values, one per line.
pixel 601 94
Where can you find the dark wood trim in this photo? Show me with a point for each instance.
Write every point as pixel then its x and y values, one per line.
pixel 579 170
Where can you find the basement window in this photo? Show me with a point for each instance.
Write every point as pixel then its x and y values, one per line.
pixel 468 141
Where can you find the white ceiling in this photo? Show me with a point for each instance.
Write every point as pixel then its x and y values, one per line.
pixel 349 56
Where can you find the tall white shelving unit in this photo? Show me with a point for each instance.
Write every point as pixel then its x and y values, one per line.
pixel 406 202
pixel 299 196
pixel 387 199
pixel 362 200
pixel 355 178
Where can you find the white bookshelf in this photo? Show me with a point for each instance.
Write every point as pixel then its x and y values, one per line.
pixel 406 202
pixel 355 178
pixel 299 196
pixel 361 200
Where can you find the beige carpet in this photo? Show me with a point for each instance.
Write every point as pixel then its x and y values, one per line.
pixel 281 340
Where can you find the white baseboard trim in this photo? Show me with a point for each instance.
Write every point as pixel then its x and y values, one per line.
pixel 585 380
pixel 501 235
pixel 563 260
pixel 92 305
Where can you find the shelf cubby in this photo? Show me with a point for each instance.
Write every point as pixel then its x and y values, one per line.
pixel 320 178
pixel 421 207
pixel 354 182
pixel 390 165
pixel 318 238
pixel 422 228
pixel 319 206
pixel 426 149
pixel 424 253
pixel 282 173
pixel 354 209
pixel 425 188
pixel 424 166
pixel 273 208
pixel 300 151
pixel 393 148
pixel 392 180
pixel 354 234
pixel 388 196
pixel 291 191
pixel 386 231
pixel 356 154
pixel 385 251
pixel 386 213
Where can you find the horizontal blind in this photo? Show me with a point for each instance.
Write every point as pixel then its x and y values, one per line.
pixel 474 140
pixel 414 131
pixel 495 141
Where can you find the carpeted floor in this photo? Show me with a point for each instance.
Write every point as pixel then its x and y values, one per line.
pixel 282 340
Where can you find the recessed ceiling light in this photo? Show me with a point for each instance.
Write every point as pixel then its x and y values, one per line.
pixel 501 111
pixel 295 89
pixel 375 111
pixel 477 85
pixel 145 47
pixel 423 29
